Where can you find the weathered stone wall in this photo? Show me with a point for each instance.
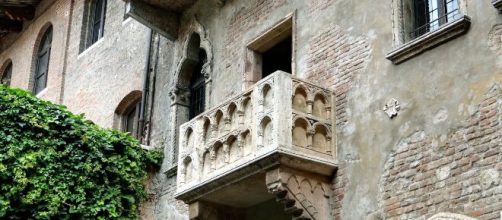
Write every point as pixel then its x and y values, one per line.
pixel 344 48
pixel 441 153
pixel 22 48
pixel 99 77
pixel 456 172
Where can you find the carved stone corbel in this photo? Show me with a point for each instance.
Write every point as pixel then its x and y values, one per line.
pixel 179 96
pixel 304 195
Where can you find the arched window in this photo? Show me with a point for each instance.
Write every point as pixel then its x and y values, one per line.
pixel 130 120
pixel 6 75
pixel 96 21
pixel 198 87
pixel 42 64
pixel 127 114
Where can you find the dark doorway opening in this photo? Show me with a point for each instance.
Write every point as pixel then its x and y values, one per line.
pixel 278 57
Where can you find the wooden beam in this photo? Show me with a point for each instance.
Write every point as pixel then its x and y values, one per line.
pixel 19 13
pixel 10 25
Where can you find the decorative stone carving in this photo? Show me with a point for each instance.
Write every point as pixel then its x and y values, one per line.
pixel 253 128
pixel 303 196
pixel 449 216
pixel 392 107
pixel 495 38
pixel 179 95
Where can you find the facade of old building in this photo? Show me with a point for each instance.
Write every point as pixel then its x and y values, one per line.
pixel 282 109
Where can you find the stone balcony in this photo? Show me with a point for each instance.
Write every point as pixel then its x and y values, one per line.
pixel 282 126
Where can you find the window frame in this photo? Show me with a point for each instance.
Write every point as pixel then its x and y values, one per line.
pixel 93 35
pixel 126 116
pixel 269 37
pixel 44 49
pixel 432 19
pixel 405 47
pixel 7 74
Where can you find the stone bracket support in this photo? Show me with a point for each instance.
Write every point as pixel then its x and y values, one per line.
pixel 161 21
pixel 304 195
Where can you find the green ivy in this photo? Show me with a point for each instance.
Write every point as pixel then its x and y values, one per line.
pixel 54 164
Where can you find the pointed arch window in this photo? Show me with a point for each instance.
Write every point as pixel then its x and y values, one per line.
pixel 42 64
pixel 198 87
pixel 7 75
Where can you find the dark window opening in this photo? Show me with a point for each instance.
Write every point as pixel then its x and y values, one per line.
pixel 278 57
pixel 6 76
pixel 42 64
pixel 130 120
pixel 97 21
pixel 429 15
pixel 198 87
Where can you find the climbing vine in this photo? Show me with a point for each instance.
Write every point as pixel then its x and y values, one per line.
pixel 55 164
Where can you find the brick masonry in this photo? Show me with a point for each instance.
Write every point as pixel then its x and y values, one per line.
pixel 22 50
pixel 315 6
pixel 347 55
pixel 241 21
pixel 459 173
pixel 334 59
pixel 339 183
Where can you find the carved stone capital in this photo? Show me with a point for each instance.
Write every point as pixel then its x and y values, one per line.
pixel 310 131
pixel 179 95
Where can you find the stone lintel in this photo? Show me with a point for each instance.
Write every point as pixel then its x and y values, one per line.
pixel 161 21
pixel 430 40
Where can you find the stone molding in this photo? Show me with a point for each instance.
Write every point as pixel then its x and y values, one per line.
pixel 430 40
pixel 497 4
pixel 450 216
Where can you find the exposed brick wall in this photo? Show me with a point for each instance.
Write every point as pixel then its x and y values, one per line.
pixel 334 58
pixel 244 19
pixel 459 174
pixel 339 184
pixel 317 5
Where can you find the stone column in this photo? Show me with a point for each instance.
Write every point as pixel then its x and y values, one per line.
pixel 179 115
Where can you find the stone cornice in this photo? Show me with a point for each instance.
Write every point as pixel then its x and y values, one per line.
pixel 429 40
